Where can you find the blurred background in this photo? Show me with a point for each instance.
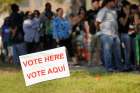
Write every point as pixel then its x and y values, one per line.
pixel 69 6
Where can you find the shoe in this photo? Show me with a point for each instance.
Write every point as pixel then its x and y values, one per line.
pixel 111 70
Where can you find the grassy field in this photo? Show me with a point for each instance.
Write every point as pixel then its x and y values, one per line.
pixel 83 80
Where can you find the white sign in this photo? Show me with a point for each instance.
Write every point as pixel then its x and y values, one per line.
pixel 46 65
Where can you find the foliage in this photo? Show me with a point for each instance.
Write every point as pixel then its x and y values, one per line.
pixel 60 1
pixel 4 4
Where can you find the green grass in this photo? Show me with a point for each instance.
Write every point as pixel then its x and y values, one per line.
pixel 94 80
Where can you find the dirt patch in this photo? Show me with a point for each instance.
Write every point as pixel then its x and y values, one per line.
pixel 9 70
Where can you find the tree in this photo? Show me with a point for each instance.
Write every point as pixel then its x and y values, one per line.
pixel 60 1
pixel 76 4
pixel 4 4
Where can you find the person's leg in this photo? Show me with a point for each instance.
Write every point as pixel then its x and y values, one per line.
pixel 5 46
pixel 5 51
pixel 92 51
pixel 107 42
pixel 31 47
pixel 45 42
pixel 48 42
pixel 138 49
pixel 126 50
pixel 10 55
pixel 117 53
pixel 15 54
pixel 98 51
pixel 70 47
pixel 95 50
pixel 52 42
pixel 21 50
pixel 133 52
pixel 41 43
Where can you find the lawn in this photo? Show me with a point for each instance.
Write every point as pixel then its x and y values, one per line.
pixel 83 80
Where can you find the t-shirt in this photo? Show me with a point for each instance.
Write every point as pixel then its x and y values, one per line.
pixel 31 30
pixel 122 28
pixel 16 20
pixel 47 26
pixel 91 17
pixel 6 35
pixel 61 28
pixel 108 19
pixel 46 23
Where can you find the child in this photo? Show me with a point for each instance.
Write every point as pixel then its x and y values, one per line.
pixel 7 39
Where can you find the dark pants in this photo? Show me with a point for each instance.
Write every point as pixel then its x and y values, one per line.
pixel 18 50
pixel 49 42
pixel 31 47
pixel 68 44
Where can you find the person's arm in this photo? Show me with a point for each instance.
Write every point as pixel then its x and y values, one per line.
pixel 97 24
pixel 123 20
pixel 69 26
pixel 54 26
pixel 99 19
pixel 86 26
pixel 137 22
pixel 75 20
pixel 14 31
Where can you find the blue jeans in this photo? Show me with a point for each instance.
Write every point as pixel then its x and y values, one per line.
pixel 125 40
pixel 18 50
pixel 111 50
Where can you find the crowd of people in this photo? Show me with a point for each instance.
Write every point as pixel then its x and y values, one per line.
pixel 108 34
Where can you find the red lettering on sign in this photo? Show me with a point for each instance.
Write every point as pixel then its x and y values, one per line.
pixel 25 63
pixel 50 58
pixel 36 74
pixel 32 62
pixel 47 59
pixel 56 69
pixel 61 56
pixel 54 57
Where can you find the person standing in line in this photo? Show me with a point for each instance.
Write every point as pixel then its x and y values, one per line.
pixel 31 35
pixel 106 22
pixel 82 39
pixel 137 38
pixel 7 40
pixel 16 22
pixel 95 42
pixel 36 23
pixel 46 27
pixel 124 22
pixel 62 30
pixel 132 34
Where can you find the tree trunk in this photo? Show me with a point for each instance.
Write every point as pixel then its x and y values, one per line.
pixel 76 4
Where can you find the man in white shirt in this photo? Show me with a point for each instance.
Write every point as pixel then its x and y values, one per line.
pixel 106 22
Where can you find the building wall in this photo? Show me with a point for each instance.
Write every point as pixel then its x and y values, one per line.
pixel 31 5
